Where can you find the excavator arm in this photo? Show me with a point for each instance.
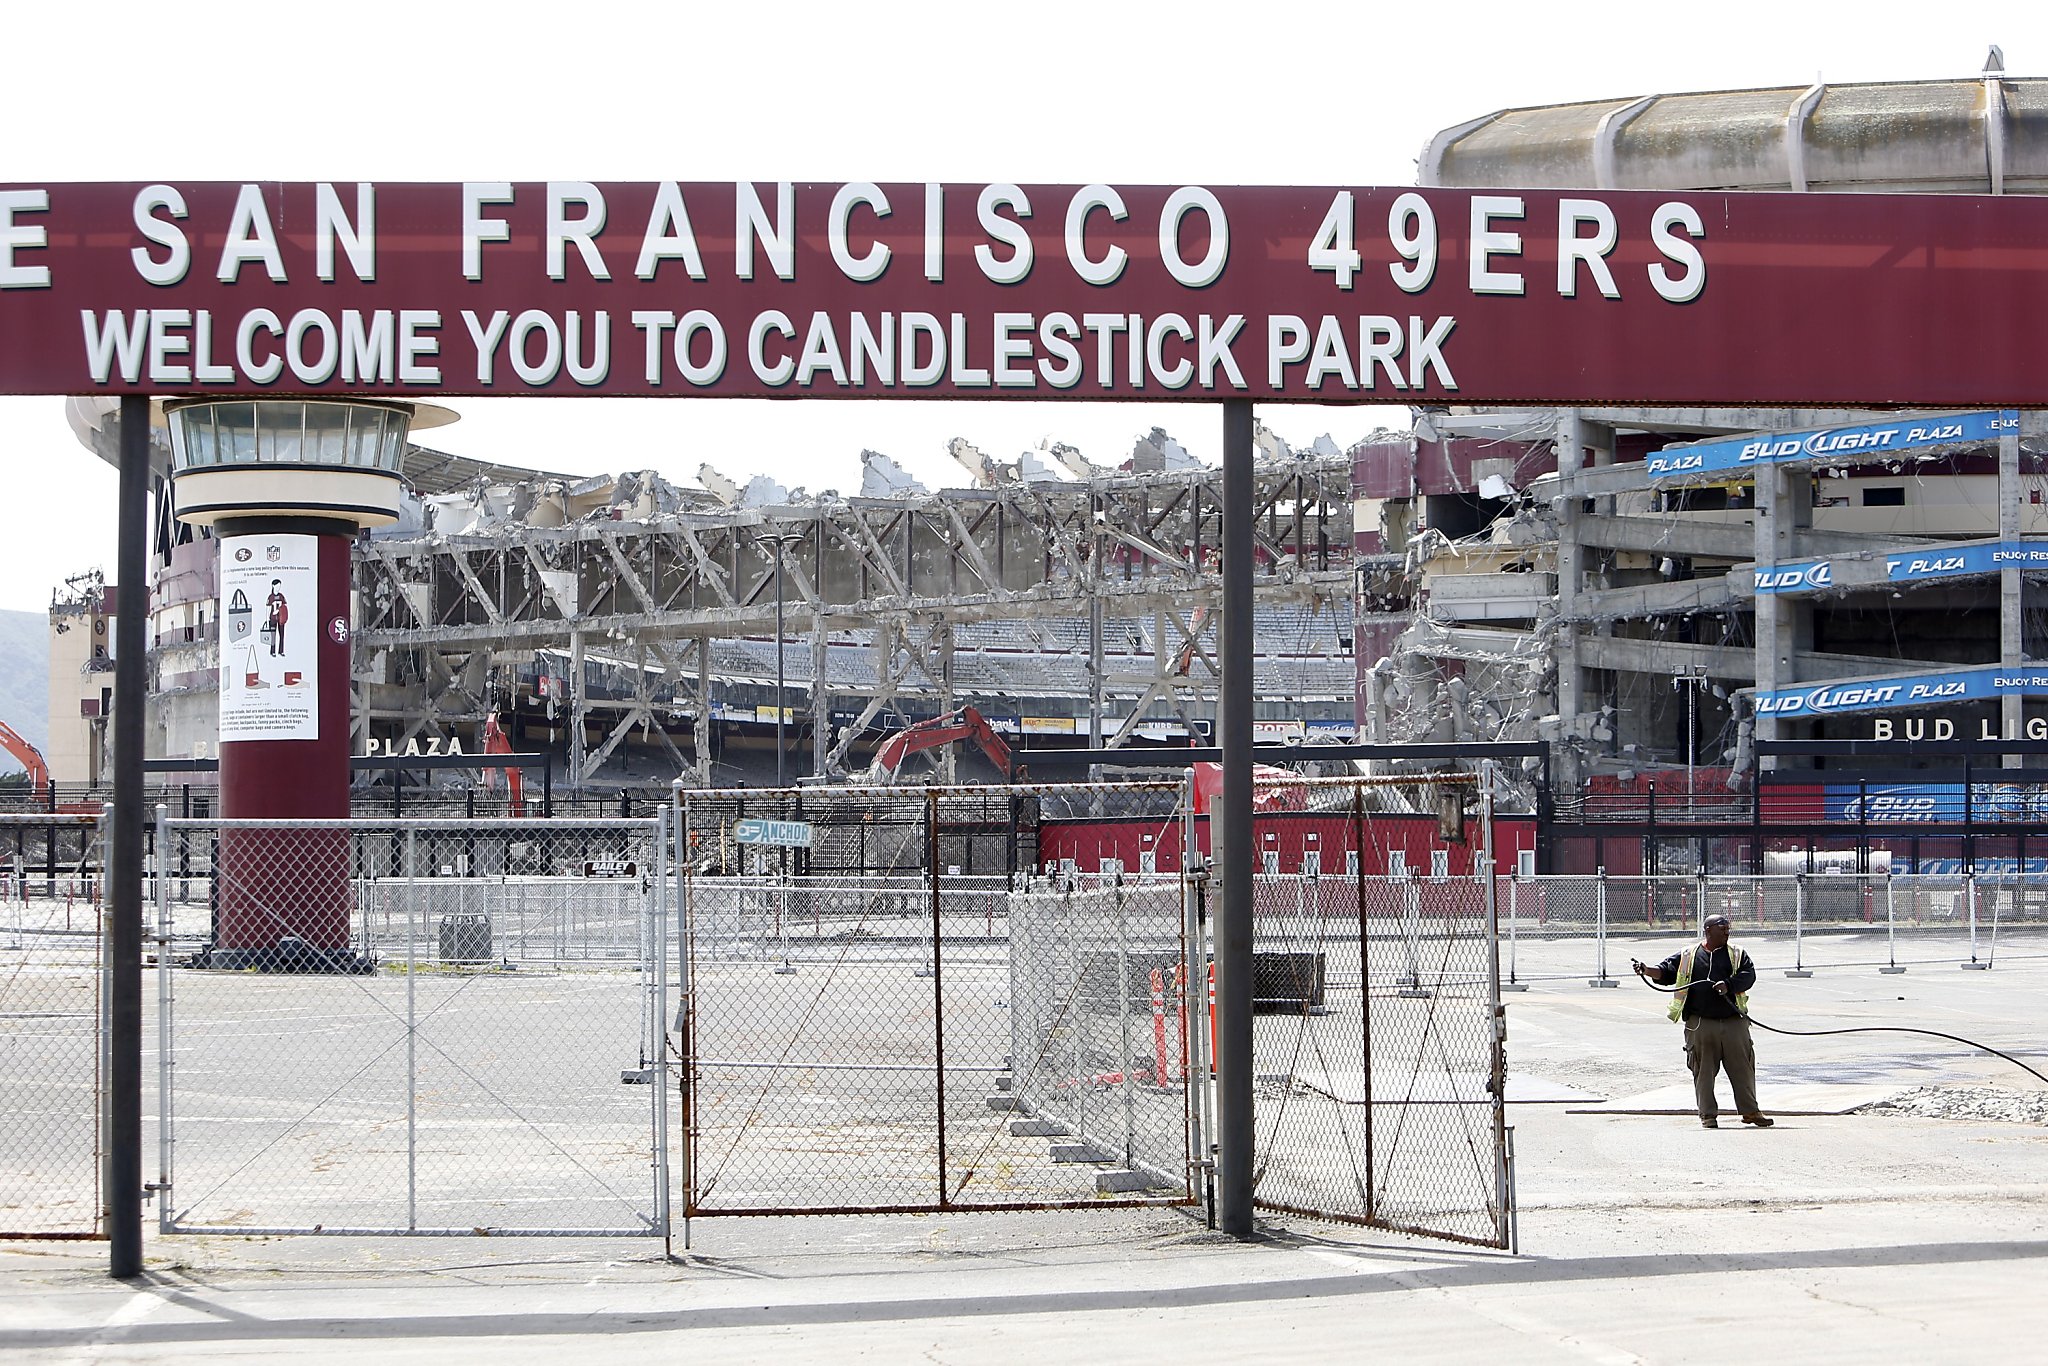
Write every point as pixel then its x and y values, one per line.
pixel 28 756
pixel 964 724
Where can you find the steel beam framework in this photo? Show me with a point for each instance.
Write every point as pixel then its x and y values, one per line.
pixel 896 576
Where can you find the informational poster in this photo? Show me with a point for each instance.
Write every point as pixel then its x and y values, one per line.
pixel 270 641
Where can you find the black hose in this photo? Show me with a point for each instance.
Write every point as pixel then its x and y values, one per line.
pixel 1899 1029
pixel 1859 1029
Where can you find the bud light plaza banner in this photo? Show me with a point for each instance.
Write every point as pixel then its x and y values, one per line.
pixel 1850 445
pixel 1903 690
pixel 1911 566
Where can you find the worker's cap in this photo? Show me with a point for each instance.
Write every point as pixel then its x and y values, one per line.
pixel 1714 920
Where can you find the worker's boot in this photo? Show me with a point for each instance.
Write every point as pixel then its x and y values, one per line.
pixel 1762 1121
pixel 1709 1122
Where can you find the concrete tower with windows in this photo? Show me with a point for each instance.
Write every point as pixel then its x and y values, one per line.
pixel 285 485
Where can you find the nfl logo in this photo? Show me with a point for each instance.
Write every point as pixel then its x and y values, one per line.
pixel 271 553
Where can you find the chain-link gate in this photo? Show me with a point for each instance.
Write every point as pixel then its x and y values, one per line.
pixel 929 1037
pixel 52 1033
pixel 872 1022
pixel 414 1026
pixel 1379 1059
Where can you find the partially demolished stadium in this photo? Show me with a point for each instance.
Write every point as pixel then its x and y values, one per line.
pixel 629 624
pixel 1523 575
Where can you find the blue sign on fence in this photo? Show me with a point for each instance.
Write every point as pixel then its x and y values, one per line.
pixel 787 834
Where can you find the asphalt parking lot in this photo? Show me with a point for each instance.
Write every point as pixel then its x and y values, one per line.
pixel 1841 1233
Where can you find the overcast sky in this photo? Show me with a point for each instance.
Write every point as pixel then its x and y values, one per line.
pixel 1273 93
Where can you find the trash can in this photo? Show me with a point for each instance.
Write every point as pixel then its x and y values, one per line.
pixel 465 939
pixel 1287 983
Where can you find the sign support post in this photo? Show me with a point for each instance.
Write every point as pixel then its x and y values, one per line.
pixel 1233 842
pixel 122 1173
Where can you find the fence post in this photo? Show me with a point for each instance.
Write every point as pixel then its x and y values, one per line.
pixel 1411 939
pixel 782 920
pixel 685 1044
pixel 412 1126
pixel 1891 930
pixel 657 955
pixel 1076 1011
pixel 1997 914
pixel 931 825
pixel 1601 979
pixel 1798 968
pixel 1024 1001
pixel 931 845
pixel 1498 1054
pixel 166 1096
pixel 1514 920
pixel 1123 995
pixel 1970 892
pixel 1194 1017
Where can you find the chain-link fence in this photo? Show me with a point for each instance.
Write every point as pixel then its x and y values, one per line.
pixel 853 986
pixel 940 1038
pixel 1379 1090
pixel 51 1029
pixel 1379 1076
pixel 365 1045
pixel 1101 1044
pixel 1560 928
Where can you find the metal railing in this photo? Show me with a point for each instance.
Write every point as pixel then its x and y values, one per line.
pixel 1572 927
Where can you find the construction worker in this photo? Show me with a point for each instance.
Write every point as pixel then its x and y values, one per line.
pixel 1714 978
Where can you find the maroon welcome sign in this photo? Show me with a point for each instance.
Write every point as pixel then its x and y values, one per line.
pixel 1369 295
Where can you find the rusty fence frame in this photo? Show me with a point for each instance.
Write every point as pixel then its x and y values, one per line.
pixel 941 942
pixel 32 1091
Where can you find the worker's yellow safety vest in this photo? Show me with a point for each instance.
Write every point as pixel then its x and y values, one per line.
pixel 1736 958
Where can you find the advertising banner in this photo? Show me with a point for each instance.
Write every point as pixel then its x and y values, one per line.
pixel 1927 563
pixel 1911 566
pixel 270 652
pixel 1903 690
pixel 1363 294
pixel 1801 576
pixel 1718 460
pixel 1932 803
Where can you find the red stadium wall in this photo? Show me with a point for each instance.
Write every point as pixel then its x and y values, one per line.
pixel 1288 836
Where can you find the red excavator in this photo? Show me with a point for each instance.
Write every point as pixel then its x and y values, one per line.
pixel 28 756
pixel 964 724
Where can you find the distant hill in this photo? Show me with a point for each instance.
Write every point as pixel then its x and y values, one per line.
pixel 25 679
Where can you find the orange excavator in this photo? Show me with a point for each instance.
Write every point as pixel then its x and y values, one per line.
pixel 964 724
pixel 28 756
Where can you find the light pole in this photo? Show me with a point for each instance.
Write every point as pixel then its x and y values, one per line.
pixel 782 541
pixel 1694 682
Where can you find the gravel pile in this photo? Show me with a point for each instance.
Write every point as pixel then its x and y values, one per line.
pixel 1965 1102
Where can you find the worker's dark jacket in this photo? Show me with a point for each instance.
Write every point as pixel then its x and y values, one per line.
pixel 1700 997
